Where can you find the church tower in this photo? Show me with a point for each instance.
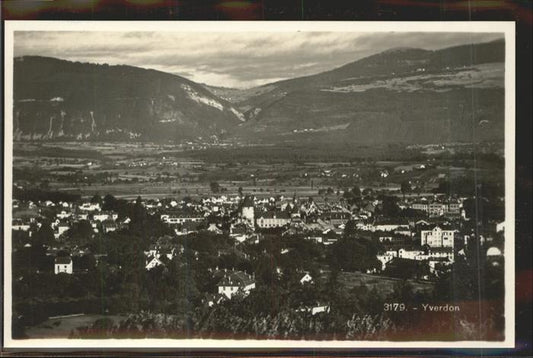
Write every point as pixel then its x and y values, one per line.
pixel 247 210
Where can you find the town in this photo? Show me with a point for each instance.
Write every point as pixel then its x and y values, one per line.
pixel 339 253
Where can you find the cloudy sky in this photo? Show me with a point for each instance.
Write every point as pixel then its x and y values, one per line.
pixel 237 60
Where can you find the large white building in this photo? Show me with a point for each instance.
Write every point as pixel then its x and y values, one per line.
pixel 90 207
pixel 181 218
pixel 411 254
pixel 270 219
pixel 105 215
pixel 437 237
pixel 438 208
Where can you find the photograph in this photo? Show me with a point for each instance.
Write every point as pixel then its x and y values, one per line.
pixel 239 184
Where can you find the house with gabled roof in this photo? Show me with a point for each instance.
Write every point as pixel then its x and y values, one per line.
pixel 20 225
pixel 214 229
pixel 235 282
pixel 186 228
pixel 306 278
pixel 336 217
pixel 63 264
pixel 109 226
pixel 61 228
pixel 152 262
pixel 163 247
pixel 239 232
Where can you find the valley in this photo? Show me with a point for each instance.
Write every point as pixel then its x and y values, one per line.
pixel 156 171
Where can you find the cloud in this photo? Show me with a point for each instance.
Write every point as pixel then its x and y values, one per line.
pixel 230 59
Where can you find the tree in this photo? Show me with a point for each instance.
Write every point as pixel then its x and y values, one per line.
pixel 367 191
pixel 389 208
pixel 405 187
pixel 81 232
pixel 356 192
pixel 240 191
pixel 214 186
pixel 45 236
pixel 110 203
pixel 350 228
pixel 138 215
pixel 405 268
pixel 96 199
pixel 353 255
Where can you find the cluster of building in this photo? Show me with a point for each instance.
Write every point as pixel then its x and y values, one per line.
pixel 66 215
pixel 436 248
pixel 433 239
pixel 69 213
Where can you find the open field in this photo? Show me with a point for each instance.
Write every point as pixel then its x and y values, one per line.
pixel 151 170
pixel 384 285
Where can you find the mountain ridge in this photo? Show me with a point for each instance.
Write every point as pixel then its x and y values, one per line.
pixel 497 42
pixel 82 100
pixel 370 100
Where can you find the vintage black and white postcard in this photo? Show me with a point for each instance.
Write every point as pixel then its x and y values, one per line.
pixel 249 184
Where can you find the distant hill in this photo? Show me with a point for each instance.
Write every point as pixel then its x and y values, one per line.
pixel 56 99
pixel 400 95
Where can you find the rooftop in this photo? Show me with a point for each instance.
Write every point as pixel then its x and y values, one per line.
pixel 236 278
pixel 273 214
pixel 63 260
